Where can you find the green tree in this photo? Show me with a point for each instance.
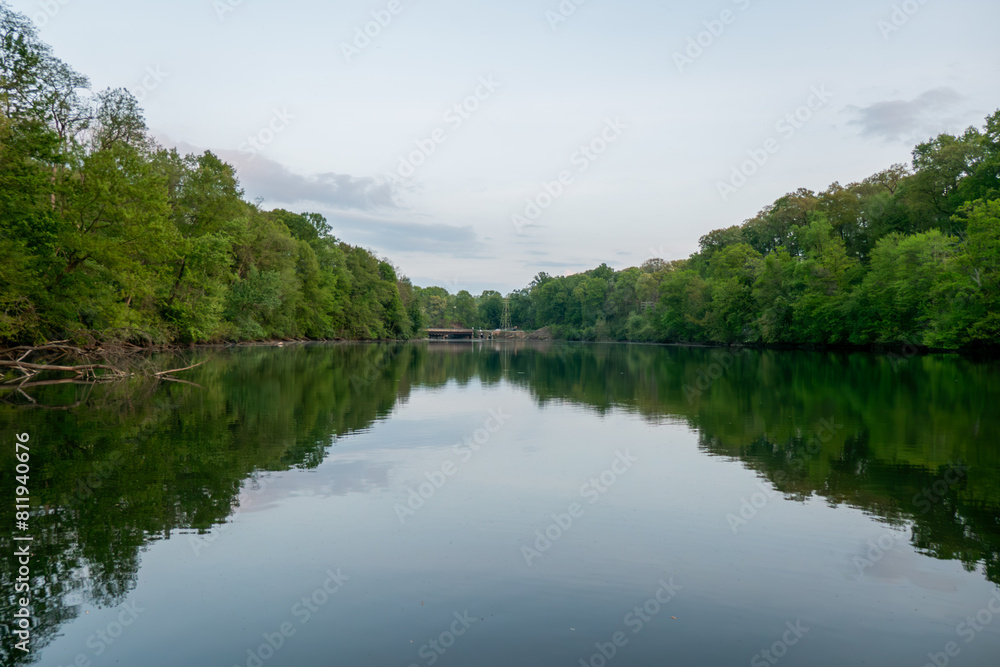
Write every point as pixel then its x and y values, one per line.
pixel 466 311
pixel 899 299
pixel 824 278
pixel 490 309
pixel 975 317
pixel 732 273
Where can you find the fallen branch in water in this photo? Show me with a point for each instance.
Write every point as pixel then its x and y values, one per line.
pixel 97 365
pixel 67 369
pixel 178 370
pixel 82 371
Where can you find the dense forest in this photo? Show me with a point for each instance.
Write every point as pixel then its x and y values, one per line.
pixel 909 256
pixel 107 236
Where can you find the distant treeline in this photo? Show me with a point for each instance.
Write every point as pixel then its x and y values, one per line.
pixel 105 235
pixel 905 257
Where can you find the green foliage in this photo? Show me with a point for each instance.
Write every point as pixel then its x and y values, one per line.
pixel 490 309
pixel 104 234
pixel 466 309
pixel 975 320
pixel 902 258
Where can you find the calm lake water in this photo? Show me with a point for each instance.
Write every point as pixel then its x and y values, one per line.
pixel 501 504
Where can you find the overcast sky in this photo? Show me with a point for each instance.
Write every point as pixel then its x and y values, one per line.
pixel 667 98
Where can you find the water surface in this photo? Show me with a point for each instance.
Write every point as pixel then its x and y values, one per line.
pixel 502 504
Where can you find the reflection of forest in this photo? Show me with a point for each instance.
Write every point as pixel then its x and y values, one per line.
pixel 132 464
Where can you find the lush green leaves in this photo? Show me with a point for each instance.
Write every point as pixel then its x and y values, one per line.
pixel 103 234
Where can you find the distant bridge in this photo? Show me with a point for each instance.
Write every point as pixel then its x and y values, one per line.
pixel 452 334
pixel 467 334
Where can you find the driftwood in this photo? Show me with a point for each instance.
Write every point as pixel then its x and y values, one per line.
pixel 178 370
pixel 97 365
pixel 82 368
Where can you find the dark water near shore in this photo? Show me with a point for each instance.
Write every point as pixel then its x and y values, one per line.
pixel 502 504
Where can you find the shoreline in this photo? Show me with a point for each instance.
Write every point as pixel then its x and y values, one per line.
pixel 904 349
